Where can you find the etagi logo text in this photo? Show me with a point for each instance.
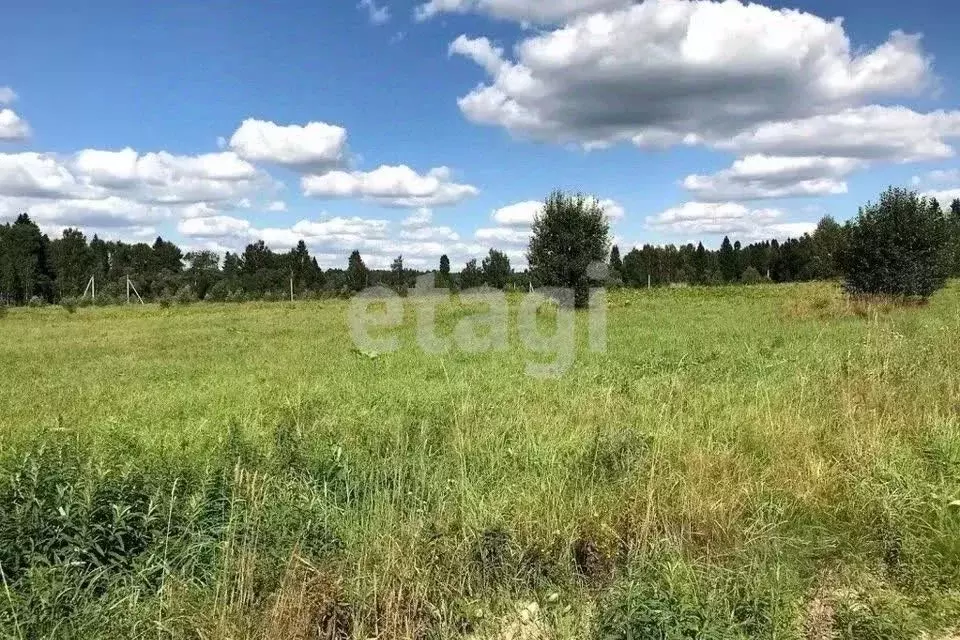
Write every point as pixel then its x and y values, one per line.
pixel 376 310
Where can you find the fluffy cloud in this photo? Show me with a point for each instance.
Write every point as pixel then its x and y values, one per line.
pixel 504 235
pixel 376 14
pixel 396 186
pixel 868 133
pixel 12 126
pixel 39 175
pixel 541 11
pixel 123 193
pixel 214 227
pixel 277 206
pixel 762 176
pixel 311 146
pixel 522 214
pixel 727 218
pixel 113 216
pixel 418 219
pixel 668 72
pixel 945 197
pixel 164 177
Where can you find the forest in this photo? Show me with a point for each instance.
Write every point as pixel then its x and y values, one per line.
pixel 36 269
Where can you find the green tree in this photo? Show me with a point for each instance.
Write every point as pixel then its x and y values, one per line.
pixel 443 279
pixel 72 262
pixel 955 233
pixel 496 269
pixel 397 275
pixel 203 270
pixel 700 264
pixel 728 261
pixel 828 242
pixel 616 264
pixel 471 276
pixel 23 261
pixel 357 273
pixel 898 246
pixel 167 257
pixel 570 233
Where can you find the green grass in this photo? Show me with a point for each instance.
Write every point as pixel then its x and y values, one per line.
pixel 755 462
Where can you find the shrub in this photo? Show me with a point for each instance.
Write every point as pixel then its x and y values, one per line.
pixel 69 305
pixel 164 302
pixel 219 292
pixel 751 276
pixel 898 247
pixel 36 301
pixel 3 311
pixel 236 296
pixel 185 295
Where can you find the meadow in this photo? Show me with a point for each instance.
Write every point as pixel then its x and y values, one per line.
pixel 741 462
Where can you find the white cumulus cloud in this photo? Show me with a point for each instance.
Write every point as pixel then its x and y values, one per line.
pixel 667 72
pixel 761 176
pixel 310 146
pixel 397 186
pixel 728 218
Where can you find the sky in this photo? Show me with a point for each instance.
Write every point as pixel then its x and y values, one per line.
pixel 424 127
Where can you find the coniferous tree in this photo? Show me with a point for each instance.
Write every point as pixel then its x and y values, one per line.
pixel 616 264
pixel 700 264
pixel 397 277
pixel 955 233
pixel 728 261
pixel 358 275
pixel 443 278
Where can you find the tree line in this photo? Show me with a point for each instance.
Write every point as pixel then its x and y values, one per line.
pixel 570 233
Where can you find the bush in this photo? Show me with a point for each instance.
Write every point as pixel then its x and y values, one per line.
pixel 3 311
pixel 219 292
pixel 164 302
pixel 185 295
pixel 236 296
pixel 898 247
pixel 751 276
pixel 36 301
pixel 69 305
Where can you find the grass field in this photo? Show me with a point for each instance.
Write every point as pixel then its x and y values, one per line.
pixel 743 462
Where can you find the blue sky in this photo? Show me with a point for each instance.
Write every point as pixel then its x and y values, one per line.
pixel 431 126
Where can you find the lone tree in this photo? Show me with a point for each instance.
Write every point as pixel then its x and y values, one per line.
pixel 898 246
pixel 570 233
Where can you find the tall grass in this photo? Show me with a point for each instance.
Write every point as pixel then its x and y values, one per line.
pixel 738 464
